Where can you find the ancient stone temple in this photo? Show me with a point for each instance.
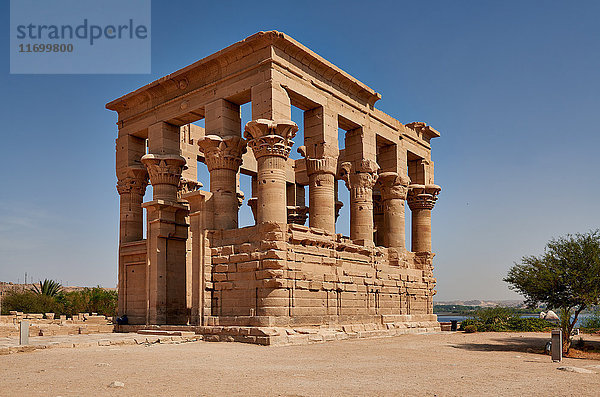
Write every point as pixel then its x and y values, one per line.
pixel 193 266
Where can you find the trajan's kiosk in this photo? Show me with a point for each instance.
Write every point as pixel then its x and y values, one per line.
pixel 278 281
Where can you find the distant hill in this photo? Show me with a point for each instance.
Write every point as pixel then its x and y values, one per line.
pixel 491 303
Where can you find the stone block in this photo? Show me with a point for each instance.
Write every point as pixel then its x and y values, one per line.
pixel 247 266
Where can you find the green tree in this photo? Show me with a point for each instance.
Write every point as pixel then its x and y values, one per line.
pixel 48 287
pixel 566 277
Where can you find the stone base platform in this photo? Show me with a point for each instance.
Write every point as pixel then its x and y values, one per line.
pixel 280 336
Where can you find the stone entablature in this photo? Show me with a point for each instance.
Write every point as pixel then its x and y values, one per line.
pixel 196 267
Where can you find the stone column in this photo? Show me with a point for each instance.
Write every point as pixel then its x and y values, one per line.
pixel 201 220
pixel 271 143
pixel 321 192
pixel 360 177
pixel 167 234
pixel 421 199
pixel 223 160
pixel 394 189
pixel 132 188
pixel 378 217
pixel 321 152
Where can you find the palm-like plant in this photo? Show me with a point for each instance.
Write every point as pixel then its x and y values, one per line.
pixel 48 287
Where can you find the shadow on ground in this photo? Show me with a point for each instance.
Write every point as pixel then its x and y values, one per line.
pixel 526 344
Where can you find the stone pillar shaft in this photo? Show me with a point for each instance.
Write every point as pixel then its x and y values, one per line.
pixel 271 143
pixel 360 177
pixel 393 218
pixel 421 230
pixel 394 189
pixel 321 196
pixel 132 218
pixel 321 193
pixel 223 188
pixel 271 189
pixel 361 213
pixel 421 200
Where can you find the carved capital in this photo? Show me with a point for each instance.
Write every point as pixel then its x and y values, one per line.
pixel 164 169
pixel 359 176
pixel 338 206
pixel 187 186
pixel 422 196
pixel 297 214
pixel 270 137
pixel 134 181
pixel 252 203
pixel 319 165
pixel 240 198
pixel 324 165
pixel 393 186
pixel 223 152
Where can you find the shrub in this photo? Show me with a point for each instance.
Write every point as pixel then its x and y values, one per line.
pixel 471 328
pixel 465 323
pixel 87 300
pixel 501 319
pixel 29 302
pixel 529 324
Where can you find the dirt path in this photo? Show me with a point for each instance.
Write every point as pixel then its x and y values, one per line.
pixel 436 364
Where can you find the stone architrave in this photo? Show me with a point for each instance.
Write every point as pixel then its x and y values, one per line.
pixel 394 189
pixel 421 200
pixel 223 159
pixel 360 177
pixel 271 143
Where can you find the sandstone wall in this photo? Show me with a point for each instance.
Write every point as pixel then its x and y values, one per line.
pixel 280 275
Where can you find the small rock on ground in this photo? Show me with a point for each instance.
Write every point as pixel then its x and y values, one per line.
pixel 576 370
pixel 117 384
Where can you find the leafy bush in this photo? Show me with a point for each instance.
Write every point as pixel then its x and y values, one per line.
pixel 465 323
pixel 469 329
pixel 529 324
pixel 500 319
pixel 87 300
pixel 29 302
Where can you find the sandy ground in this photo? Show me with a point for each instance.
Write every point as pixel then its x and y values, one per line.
pixel 443 364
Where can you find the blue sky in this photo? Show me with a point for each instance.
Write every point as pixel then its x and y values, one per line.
pixel 512 86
